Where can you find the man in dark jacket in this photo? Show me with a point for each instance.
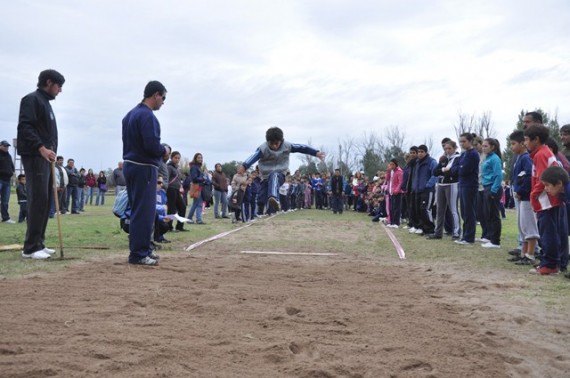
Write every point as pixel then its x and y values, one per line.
pixel 72 187
pixel 37 146
pixel 337 186
pixel 6 173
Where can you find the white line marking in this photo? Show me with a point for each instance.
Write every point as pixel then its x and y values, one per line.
pixel 289 253
pixel 197 244
pixel 396 243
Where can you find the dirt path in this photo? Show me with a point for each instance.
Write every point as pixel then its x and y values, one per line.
pixel 216 312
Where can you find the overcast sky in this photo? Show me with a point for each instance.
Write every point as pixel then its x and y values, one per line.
pixel 321 70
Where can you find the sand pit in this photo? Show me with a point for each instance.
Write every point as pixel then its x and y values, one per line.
pixel 217 312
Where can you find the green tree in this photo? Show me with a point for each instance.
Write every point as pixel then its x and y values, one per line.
pixel 230 168
pixel 371 162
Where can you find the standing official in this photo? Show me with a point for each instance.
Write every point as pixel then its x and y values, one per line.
pixel 142 152
pixel 37 146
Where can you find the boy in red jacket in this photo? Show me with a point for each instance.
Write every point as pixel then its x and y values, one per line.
pixel 550 212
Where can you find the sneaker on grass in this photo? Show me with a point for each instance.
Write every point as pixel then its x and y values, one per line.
pixel 544 271
pixel 419 231
pixel 462 242
pixel 412 230
pixel 38 255
pixel 490 245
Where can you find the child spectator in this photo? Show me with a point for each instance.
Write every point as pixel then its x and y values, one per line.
pixel 394 185
pixel 550 212
pixel 521 184
pixel 557 183
pixel 467 171
pixel 492 177
pixel 161 224
pixel 423 186
pixel 284 194
pixel 22 198
pixel 273 156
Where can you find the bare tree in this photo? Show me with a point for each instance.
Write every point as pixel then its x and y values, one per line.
pixel 466 123
pixel 485 125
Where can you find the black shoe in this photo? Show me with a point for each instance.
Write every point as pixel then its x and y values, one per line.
pixel 225 217
pixel 199 223
pixel 515 252
pixel 433 237
pixel 145 261
pixel 455 237
pixel 524 261
pixel 182 230
pixel 164 241
pixel 515 258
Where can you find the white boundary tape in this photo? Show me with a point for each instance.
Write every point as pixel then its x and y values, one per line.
pixel 215 237
pixel 396 243
pixel 219 236
pixel 289 253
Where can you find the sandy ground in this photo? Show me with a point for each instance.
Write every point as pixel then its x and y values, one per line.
pixel 215 312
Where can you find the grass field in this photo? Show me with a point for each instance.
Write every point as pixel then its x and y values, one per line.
pixel 95 234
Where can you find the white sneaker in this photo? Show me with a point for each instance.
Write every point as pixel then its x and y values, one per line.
pixel 419 231
pixel 482 240
pixel 393 226
pixel 490 245
pixel 38 255
pixel 49 251
pixel 406 227
pixel 412 230
pixel 463 242
pixel 9 221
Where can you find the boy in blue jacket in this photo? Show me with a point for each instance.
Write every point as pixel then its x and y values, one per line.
pixel 423 186
pixel 521 184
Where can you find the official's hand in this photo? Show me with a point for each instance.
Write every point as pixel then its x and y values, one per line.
pixel 47 154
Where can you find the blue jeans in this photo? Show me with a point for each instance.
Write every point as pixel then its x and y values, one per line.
pixel 467 200
pixel 197 207
pixel 4 199
pixel 89 194
pixel 73 194
pixel 100 194
pixel 81 200
pixel 220 198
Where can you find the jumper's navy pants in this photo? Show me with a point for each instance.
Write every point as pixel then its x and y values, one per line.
pixel 141 189
pixel 553 230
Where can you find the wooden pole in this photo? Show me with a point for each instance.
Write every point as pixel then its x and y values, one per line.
pixel 57 212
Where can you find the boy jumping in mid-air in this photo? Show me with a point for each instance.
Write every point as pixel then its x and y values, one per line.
pixel 273 157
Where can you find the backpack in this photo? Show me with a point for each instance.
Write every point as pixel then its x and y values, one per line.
pixel 121 204
pixel 206 191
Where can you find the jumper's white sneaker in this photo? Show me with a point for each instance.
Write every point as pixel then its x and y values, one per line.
pixel 38 255
pixel 49 251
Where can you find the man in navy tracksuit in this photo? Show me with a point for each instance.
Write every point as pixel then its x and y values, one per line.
pixel 424 187
pixel 142 152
